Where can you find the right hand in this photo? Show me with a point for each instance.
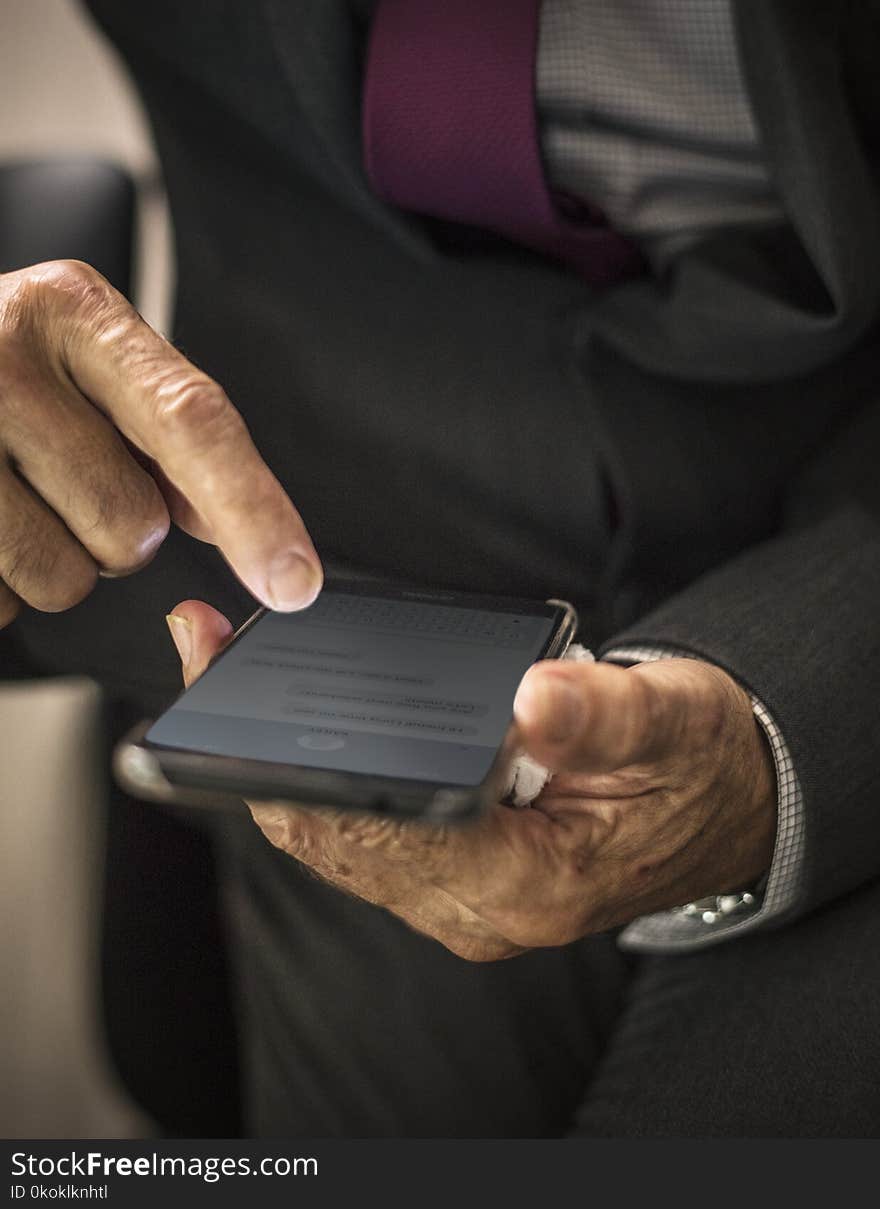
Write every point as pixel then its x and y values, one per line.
pixel 107 434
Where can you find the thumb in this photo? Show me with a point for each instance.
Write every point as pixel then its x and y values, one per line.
pixel 199 632
pixel 596 717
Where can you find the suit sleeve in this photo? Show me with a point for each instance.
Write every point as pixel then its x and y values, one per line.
pixel 796 620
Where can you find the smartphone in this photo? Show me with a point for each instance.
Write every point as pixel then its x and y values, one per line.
pixel 375 698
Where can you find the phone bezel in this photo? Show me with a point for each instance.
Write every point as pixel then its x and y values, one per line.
pixel 191 777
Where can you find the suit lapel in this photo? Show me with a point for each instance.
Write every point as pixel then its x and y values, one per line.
pixel 792 60
pixel 770 303
pixel 316 42
pixel 793 69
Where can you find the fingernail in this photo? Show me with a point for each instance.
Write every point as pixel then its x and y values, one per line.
pixel 181 635
pixel 293 582
pixel 551 703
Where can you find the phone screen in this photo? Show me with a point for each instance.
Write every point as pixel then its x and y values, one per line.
pixel 380 685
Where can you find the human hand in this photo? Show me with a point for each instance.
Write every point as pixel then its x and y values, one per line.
pixel 664 792
pixel 107 433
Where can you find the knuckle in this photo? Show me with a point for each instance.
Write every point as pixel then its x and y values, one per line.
pixel 43 574
pixel 37 297
pixel 128 522
pixel 43 568
pixel 131 550
pixel 369 831
pixel 60 576
pixel 16 556
pixel 194 406
pixel 19 318
pixel 62 592
pixel 66 283
pixel 70 274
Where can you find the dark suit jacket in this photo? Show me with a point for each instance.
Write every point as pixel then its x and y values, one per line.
pixel 692 460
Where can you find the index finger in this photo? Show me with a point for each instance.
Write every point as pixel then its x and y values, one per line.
pixel 183 419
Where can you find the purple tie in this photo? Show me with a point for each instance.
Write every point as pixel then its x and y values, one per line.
pixel 450 130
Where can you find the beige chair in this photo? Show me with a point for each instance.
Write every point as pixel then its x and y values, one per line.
pixel 56 1079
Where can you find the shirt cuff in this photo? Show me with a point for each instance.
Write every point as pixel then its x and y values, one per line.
pixel 689 927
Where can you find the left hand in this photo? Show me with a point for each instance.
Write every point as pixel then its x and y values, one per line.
pixel 664 792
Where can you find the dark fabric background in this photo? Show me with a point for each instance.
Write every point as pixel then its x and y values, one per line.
pixel 454 411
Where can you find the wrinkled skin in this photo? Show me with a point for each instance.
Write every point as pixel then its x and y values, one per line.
pixel 107 435
pixel 664 787
pixel 664 791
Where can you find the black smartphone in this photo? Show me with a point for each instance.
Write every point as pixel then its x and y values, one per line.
pixel 373 698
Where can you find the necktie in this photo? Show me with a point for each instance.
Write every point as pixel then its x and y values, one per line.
pixel 450 130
